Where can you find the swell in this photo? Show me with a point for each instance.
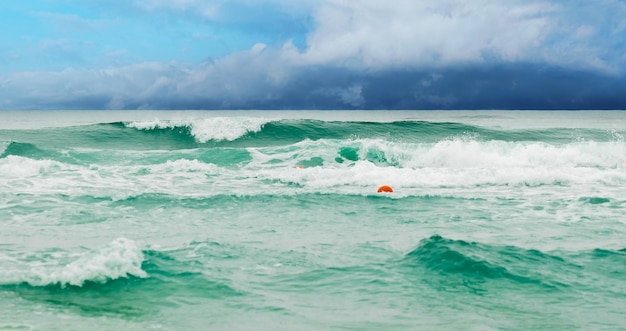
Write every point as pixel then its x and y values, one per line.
pixel 292 131
pixel 477 261
pixel 438 258
pixel 315 143
pixel 286 132
pixel 172 135
pixel 463 263
pixel 439 268
pixel 165 280
pixel 111 136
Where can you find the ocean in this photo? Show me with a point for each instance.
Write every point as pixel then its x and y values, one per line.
pixel 271 220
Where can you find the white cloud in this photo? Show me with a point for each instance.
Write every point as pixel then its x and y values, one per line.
pixel 426 33
pixel 234 80
pixel 377 33
pixel 258 48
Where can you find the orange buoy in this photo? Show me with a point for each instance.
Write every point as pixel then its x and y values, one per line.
pixel 299 167
pixel 385 188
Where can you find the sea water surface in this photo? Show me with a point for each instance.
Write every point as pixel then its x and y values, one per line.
pixel 499 220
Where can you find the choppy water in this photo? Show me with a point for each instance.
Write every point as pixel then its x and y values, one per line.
pixel 271 220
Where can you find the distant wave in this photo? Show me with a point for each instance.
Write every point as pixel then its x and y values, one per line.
pixel 203 130
pixel 258 132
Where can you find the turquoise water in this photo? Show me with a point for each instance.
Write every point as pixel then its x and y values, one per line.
pixel 272 220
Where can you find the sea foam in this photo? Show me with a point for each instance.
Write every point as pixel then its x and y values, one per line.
pixel 19 167
pixel 327 168
pixel 424 167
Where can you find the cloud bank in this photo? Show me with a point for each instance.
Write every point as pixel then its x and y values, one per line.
pixel 403 54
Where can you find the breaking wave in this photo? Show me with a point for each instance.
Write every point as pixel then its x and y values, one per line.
pixel 122 258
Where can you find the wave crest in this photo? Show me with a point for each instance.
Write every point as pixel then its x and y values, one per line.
pixel 448 256
pixel 122 258
pixel 203 130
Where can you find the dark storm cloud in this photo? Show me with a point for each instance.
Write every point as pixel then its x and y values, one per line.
pixel 507 86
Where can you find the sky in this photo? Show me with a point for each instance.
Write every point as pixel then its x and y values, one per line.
pixel 313 54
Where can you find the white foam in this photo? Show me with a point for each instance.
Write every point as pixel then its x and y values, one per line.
pixel 413 167
pixel 182 166
pixel 206 129
pixel 499 154
pixel 450 164
pixel 119 259
pixel 454 153
pixel 14 166
pixel 24 175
